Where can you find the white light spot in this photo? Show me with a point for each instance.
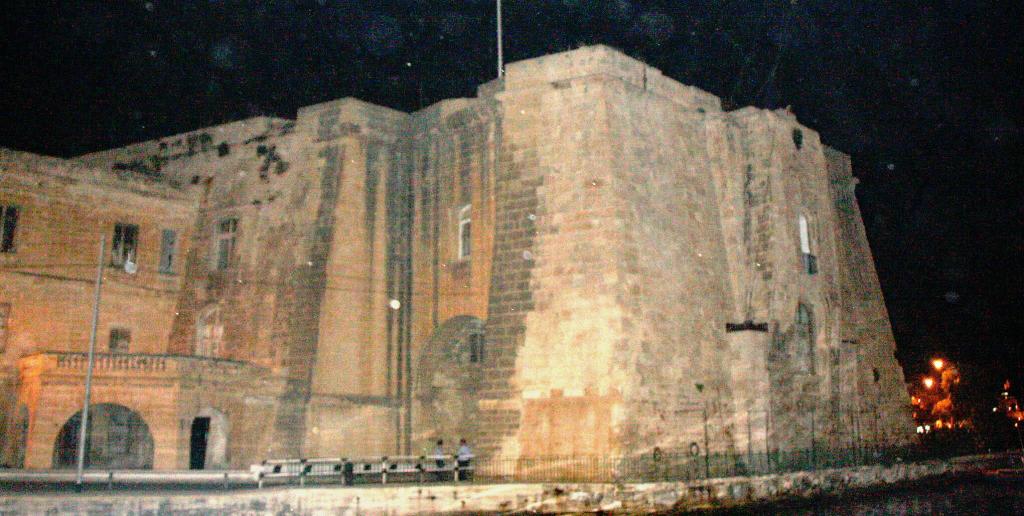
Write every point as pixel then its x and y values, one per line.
pixel 149 6
pixel 891 166
pixel 395 304
pixel 531 217
pixel 309 264
pixel 408 64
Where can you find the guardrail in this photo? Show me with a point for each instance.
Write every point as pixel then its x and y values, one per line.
pixel 225 479
pixel 350 471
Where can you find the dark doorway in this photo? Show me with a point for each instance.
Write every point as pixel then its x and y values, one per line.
pixel 197 446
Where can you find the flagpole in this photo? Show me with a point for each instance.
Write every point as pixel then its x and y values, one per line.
pixel 501 61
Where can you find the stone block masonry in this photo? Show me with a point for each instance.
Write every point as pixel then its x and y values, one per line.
pixel 532 498
pixel 587 258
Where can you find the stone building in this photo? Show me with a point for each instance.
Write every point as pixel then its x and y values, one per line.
pixel 588 258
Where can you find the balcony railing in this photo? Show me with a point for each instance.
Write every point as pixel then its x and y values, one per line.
pixel 145 363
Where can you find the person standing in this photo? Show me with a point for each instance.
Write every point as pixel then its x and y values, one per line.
pixel 463 457
pixel 439 458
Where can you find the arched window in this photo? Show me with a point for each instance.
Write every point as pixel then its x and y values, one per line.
pixel 209 332
pixel 808 260
pixel 465 225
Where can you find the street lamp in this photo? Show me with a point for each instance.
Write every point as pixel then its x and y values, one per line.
pixel 938 363
pixel 928 382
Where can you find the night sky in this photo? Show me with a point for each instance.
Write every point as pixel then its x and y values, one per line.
pixel 926 97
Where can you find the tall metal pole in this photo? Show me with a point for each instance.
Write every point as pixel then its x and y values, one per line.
pixel 707 456
pixel 82 433
pixel 501 59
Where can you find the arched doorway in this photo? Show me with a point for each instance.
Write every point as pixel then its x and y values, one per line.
pixel 208 441
pixel 447 376
pixel 118 439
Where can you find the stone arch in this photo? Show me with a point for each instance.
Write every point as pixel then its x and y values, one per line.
pixel 216 429
pixel 209 332
pixel 118 439
pixel 447 377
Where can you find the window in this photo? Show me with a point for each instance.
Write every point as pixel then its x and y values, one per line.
pixel 808 261
pixel 120 338
pixel 476 347
pixel 8 223
pixel 126 243
pixel 209 332
pixel 5 314
pixel 167 241
pixel 225 243
pixel 465 236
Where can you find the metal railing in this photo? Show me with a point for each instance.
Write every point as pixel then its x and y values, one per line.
pixel 226 479
pixel 351 471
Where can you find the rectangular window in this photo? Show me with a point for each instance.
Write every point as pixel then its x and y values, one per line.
pixel 225 244
pixel 167 242
pixel 120 338
pixel 465 235
pixel 476 347
pixel 8 224
pixel 126 243
pixel 5 314
pixel 808 260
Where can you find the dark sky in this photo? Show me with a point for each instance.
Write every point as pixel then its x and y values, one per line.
pixel 926 97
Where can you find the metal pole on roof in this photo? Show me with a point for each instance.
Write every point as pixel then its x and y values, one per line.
pixel 84 425
pixel 501 60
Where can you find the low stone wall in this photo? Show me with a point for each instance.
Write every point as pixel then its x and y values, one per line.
pixel 433 499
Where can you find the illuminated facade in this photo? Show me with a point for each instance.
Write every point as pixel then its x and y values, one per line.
pixel 578 260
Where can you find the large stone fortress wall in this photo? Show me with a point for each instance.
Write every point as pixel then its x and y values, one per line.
pixel 588 258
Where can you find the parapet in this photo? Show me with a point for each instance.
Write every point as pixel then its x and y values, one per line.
pixel 600 60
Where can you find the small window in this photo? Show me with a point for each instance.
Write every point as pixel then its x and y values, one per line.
pixel 5 315
pixel 225 243
pixel 126 243
pixel 465 235
pixel 808 261
pixel 8 225
pixel 167 242
pixel 120 338
pixel 476 347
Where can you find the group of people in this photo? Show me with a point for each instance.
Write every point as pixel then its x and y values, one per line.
pixel 462 457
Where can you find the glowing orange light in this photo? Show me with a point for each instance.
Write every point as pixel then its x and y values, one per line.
pixel 928 382
pixel 938 363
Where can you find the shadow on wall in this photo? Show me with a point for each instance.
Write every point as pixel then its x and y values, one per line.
pixel 446 383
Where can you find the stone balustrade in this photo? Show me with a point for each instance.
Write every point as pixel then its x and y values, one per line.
pixel 143 363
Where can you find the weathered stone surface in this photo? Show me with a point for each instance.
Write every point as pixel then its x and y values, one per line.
pixel 634 275
pixel 461 499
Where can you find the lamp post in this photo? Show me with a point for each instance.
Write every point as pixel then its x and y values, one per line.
pixel 83 427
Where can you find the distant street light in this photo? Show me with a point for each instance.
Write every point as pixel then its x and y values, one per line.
pixel 928 382
pixel 938 363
